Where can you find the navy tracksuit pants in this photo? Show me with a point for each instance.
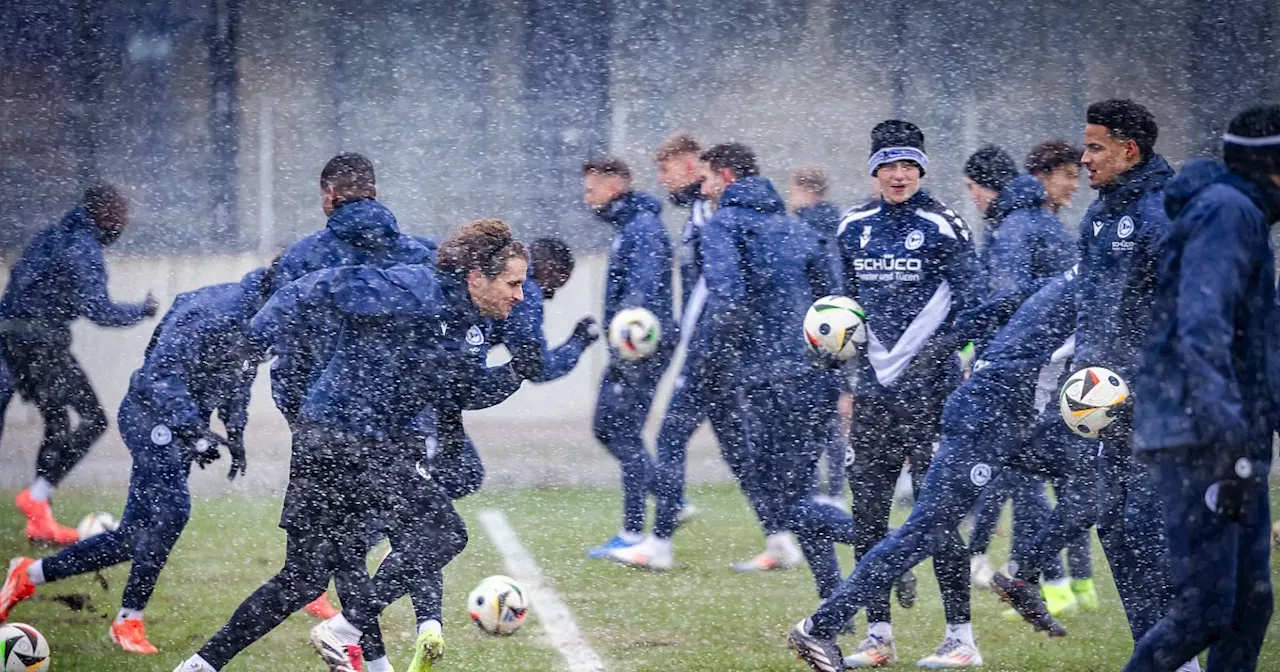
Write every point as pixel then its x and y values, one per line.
pixel 1031 510
pixel 693 400
pixel 622 406
pixel 1220 570
pixel 6 392
pixel 155 514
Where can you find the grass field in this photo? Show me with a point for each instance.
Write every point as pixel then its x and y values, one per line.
pixel 701 616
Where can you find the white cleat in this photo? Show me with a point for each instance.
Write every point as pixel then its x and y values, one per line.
pixel 780 552
pixel 952 654
pixel 194 664
pixel 652 554
pixel 981 570
pixel 873 652
pixel 331 649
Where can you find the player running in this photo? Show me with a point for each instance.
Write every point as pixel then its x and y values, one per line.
pixel 198 362
pixel 62 276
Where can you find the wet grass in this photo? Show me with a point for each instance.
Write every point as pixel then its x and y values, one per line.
pixel 700 616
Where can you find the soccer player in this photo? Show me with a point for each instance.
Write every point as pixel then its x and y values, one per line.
pixel 1206 400
pixel 198 363
pixel 1056 163
pixel 62 276
pixel 1119 248
pixel 638 275
pixel 413 340
pixel 909 261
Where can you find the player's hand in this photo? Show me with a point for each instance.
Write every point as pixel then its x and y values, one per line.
pixel 202 446
pixel 526 361
pixel 1231 495
pixel 150 306
pixel 587 330
pixel 235 446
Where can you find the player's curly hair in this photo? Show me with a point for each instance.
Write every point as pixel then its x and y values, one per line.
pixel 486 244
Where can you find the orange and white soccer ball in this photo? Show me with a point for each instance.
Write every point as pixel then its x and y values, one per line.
pixel 1089 399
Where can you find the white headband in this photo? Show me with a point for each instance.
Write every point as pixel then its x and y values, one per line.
pixel 892 154
pixel 1264 141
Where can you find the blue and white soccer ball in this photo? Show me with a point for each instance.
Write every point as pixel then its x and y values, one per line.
pixel 835 326
pixel 635 333
pixel 22 649
pixel 498 605
pixel 1089 399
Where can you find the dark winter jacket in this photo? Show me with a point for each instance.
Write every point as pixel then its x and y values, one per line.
pixel 824 218
pixel 199 360
pixel 1119 246
pixel 1211 351
pixel 763 270
pixel 62 276
pixel 523 328
pixel 639 272
pixel 913 268
pixel 362 232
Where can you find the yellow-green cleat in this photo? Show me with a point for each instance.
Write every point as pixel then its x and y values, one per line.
pixel 1059 600
pixel 428 649
pixel 1086 594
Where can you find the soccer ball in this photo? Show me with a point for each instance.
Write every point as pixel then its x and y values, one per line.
pixel 498 605
pixel 1089 398
pixel 22 649
pixel 835 326
pixel 96 523
pixel 634 333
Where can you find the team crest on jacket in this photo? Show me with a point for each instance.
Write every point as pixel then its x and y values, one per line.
pixel 475 336
pixel 915 239
pixel 160 435
pixel 866 236
pixel 980 474
pixel 1125 229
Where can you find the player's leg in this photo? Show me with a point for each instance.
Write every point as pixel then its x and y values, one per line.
pixel 77 392
pixel 621 410
pixel 986 515
pixel 1240 645
pixel 1030 510
pixel 1079 550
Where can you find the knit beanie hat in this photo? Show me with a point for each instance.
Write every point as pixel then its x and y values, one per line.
pixel 1251 144
pixel 991 167
pixel 897 140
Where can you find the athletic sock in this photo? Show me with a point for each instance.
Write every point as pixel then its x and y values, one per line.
pixel 631 537
pixel 199 662
pixel 346 633
pixel 962 632
pixel 1192 665
pixel 378 665
pixel 35 572
pixel 126 614
pixel 430 624
pixel 1059 583
pixel 41 490
pixel 882 631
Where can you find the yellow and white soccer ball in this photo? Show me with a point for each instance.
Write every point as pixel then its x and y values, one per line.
pixel 635 333
pixel 22 649
pixel 1089 399
pixel 498 605
pixel 96 523
pixel 835 326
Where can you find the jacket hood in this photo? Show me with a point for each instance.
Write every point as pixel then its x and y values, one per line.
pixel 401 290
pixel 626 206
pixel 823 216
pixel 1024 192
pixel 1200 174
pixel 753 193
pixel 365 223
pixel 685 197
pixel 1140 179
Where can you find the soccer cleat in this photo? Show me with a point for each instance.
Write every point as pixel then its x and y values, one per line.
pixel 356 654
pixel 1086 594
pixel 1059 600
pixel 905 589
pixel 686 513
pixel 17 586
pixel 331 649
pixel 649 554
pixel 780 552
pixel 42 527
pixel 194 664
pixel 873 652
pixel 981 571
pixel 131 635
pixel 428 649
pixel 822 655
pixel 602 550
pixel 952 654
pixel 321 608
pixel 1026 600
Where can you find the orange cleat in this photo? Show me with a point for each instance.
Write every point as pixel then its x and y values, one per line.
pixel 321 609
pixel 131 635
pixel 17 587
pixel 41 525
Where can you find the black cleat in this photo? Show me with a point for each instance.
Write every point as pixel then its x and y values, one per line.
pixel 1025 599
pixel 905 587
pixel 822 655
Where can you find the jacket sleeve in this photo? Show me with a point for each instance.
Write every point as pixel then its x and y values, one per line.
pixel 823 268
pixel 722 270
pixel 844 265
pixel 492 387
pixel 1010 260
pixel 167 368
pixel 562 360
pixel 89 283
pixel 234 410
pixel 1215 270
pixel 278 318
pixel 963 274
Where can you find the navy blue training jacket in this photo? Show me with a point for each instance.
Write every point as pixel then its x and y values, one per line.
pixel 639 272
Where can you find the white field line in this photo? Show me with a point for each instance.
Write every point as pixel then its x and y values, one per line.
pixel 557 621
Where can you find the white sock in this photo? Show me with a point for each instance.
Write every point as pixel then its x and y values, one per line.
pixel 1192 665
pixel 431 624
pixel 35 572
pixel 198 662
pixel 41 490
pixel 343 630
pixel 631 537
pixel 126 614
pixel 378 665
pixel 661 545
pixel 1059 583
pixel 962 632
pixel 883 631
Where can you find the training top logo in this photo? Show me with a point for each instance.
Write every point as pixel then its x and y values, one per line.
pixel 866 236
pixel 1126 227
pixel 161 435
pixel 915 239
pixel 980 474
pixel 1097 226
pixel 475 336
